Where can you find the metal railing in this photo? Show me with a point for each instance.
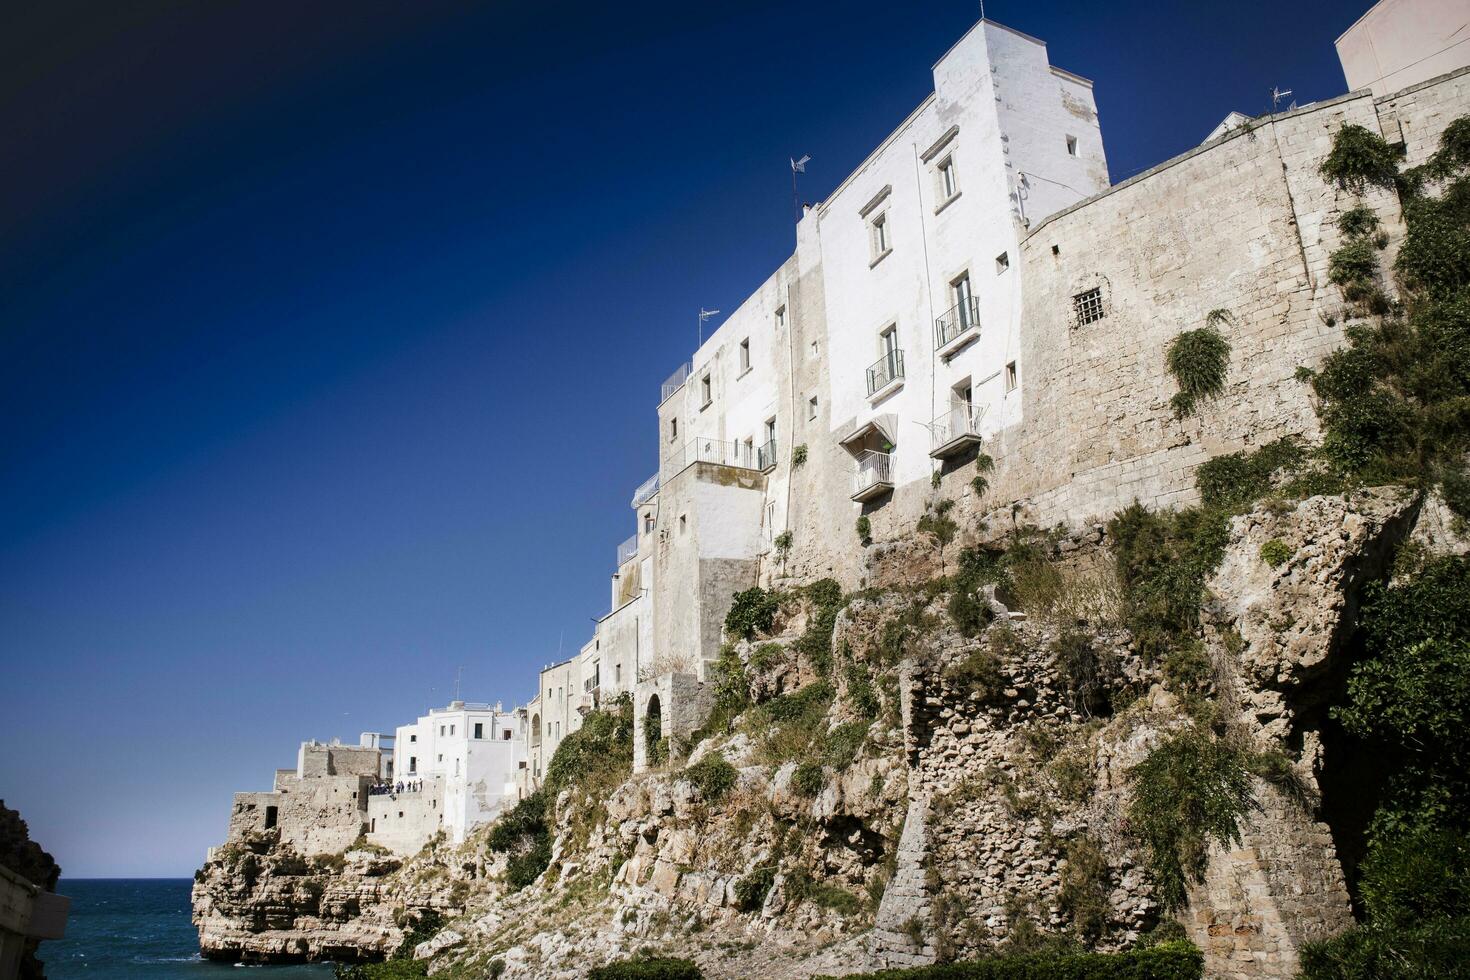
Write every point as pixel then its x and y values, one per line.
pixel 710 451
pixel 953 323
pixel 873 468
pixel 888 370
pixel 765 456
pixel 645 491
pixel 963 420
pixel 628 549
pixel 675 382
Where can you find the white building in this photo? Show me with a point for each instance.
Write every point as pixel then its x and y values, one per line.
pixel 1399 43
pixel 454 768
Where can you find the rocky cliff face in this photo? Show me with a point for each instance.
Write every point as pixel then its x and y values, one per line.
pixel 936 779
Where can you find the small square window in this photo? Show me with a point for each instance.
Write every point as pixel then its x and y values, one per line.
pixel 811 409
pixel 1088 306
pixel 413 738
pixel 745 355
pixel 780 317
pixel 706 390
pixel 1071 146
pixel 1002 262
pixel 1056 250
pixel 1011 376
pixel 507 733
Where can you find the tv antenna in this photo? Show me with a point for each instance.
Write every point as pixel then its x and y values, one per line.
pixel 704 315
pixel 1277 94
pixel 458 674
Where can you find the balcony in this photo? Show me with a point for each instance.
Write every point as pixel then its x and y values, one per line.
pixel 765 457
pixel 874 476
pixel 709 451
pixel 957 328
pixel 628 550
pixel 674 383
pixel 954 431
pixel 886 376
pixel 645 491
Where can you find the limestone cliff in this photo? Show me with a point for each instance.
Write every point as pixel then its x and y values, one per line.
pixel 931 772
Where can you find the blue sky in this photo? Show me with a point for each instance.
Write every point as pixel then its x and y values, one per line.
pixel 331 336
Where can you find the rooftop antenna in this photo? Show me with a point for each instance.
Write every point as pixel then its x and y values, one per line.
pixel 704 315
pixel 458 673
pixel 982 9
pixel 797 167
pixel 1277 94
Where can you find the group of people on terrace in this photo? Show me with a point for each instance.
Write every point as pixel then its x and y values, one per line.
pixel 393 789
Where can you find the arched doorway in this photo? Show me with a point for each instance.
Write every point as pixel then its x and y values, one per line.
pixel 656 749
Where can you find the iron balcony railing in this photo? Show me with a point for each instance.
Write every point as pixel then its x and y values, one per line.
pixel 888 370
pixel 958 422
pixel 765 456
pixel 675 382
pixel 645 491
pixel 956 321
pixel 873 470
pixel 628 549
pixel 709 451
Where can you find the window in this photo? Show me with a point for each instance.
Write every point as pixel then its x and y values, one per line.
pixel 1056 250
pixel 270 817
pixel 948 186
pixel 1002 262
pixel 1088 306
pixel 745 355
pixel 617 673
pixel 441 731
pixel 648 522
pixel 1071 146
pixel 888 340
pixel 780 317
pixel 673 429
pixel 811 409
pixel 451 729
pixel 878 235
pixel 507 735
pixel 441 756
pixel 964 302
pixel 456 766
pixel 413 738
pixel 479 729
pixel 1011 376
pixel 522 764
pixel 770 430
pixel 683 523
pixel 706 390
pixel 413 764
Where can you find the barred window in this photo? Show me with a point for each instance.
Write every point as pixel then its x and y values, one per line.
pixel 1088 306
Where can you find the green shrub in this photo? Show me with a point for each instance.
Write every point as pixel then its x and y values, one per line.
pixel 1086 672
pixel 809 779
pixel 865 529
pixel 751 890
pixel 766 656
pixel 647 968
pixel 1086 887
pixel 798 456
pixel 978 673
pixel 1417 875
pixel 861 693
pixel 426 925
pixel 1198 359
pixel 388 970
pixel 843 744
pixel 1276 552
pixel 1237 480
pixel 713 775
pixel 1190 790
pixel 599 755
pixel 1360 159
pixel 802 887
pixel 751 612
pixel 1358 222
pixel 1166 961
pixel 939 526
pixel 815 644
pixel 1434 949
pixel 523 835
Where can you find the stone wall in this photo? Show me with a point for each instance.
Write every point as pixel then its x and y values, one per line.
pixel 403 822
pixel 319 815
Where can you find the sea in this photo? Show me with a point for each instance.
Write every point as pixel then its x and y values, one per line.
pixel 128 928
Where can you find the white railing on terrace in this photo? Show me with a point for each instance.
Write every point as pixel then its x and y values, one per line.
pixel 873 469
pixel 675 382
pixel 963 420
pixel 953 323
pixel 628 549
pixel 710 451
pixel 645 491
pixel 888 370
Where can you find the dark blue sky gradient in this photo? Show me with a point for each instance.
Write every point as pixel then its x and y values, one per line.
pixel 331 336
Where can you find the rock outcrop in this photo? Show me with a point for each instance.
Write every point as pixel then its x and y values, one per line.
pixel 908 792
